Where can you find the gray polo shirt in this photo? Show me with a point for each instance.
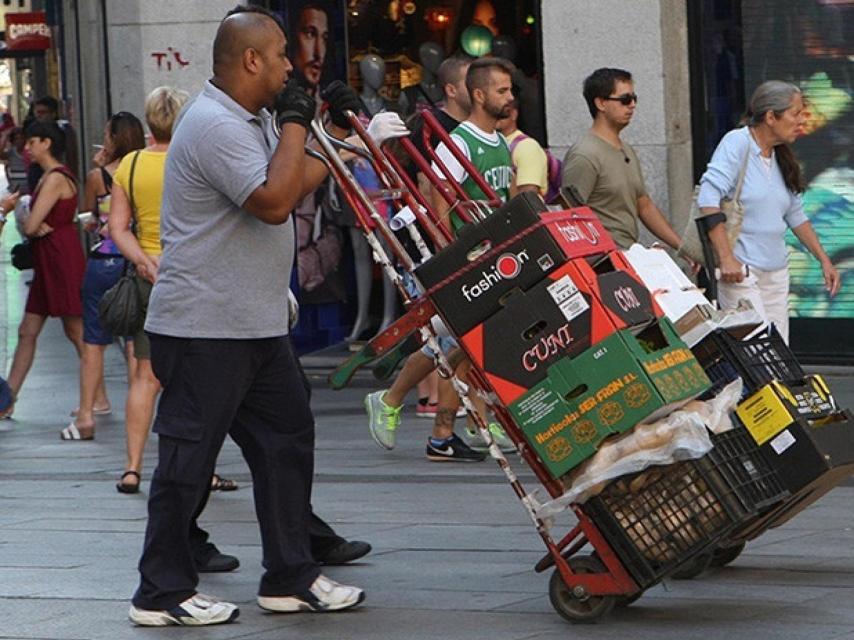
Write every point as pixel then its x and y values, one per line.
pixel 223 272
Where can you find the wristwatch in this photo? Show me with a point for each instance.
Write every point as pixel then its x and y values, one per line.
pixel 2 215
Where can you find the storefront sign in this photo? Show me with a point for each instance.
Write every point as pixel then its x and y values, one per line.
pixel 27 31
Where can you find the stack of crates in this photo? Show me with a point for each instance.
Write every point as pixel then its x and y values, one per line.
pixel 792 418
pixel 576 348
pixel 562 328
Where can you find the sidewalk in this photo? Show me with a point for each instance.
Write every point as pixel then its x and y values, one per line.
pixel 453 549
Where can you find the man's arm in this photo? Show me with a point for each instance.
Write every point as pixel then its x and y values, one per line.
pixel 655 221
pixel 532 167
pixel 288 178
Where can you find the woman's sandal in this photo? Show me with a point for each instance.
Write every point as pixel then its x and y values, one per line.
pixel 103 411
pixel 123 487
pixel 73 432
pixel 222 484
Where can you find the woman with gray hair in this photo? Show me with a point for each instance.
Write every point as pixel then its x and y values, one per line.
pixel 754 265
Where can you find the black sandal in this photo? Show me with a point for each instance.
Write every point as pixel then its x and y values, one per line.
pixel 123 487
pixel 222 484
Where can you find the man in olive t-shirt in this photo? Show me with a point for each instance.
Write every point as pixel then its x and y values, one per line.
pixel 605 170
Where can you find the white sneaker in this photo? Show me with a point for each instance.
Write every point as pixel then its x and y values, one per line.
pixel 383 420
pixel 196 611
pixel 323 595
pixel 475 441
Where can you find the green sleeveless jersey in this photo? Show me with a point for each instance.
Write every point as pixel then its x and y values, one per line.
pixel 491 159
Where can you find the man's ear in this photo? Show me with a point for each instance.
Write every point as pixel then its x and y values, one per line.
pixel 600 104
pixel 251 60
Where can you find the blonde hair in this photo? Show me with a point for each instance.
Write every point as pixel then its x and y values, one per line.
pixel 161 109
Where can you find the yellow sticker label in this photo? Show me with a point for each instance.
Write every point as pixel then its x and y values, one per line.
pixel 764 414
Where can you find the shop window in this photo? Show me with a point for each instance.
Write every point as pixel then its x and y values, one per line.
pixel 735 45
pixel 396 30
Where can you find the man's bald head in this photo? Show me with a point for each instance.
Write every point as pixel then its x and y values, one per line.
pixel 242 28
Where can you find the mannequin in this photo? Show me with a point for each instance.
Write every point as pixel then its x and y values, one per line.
pixel 372 70
pixel 427 93
pixel 431 56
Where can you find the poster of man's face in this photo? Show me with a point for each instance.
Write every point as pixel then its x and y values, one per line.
pixel 316 41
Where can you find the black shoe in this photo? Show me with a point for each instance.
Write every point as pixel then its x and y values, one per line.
pixel 345 552
pixel 453 450
pixel 218 563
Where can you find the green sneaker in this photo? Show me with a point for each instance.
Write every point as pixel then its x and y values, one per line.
pixel 475 441
pixel 383 420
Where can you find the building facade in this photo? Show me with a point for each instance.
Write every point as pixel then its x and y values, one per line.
pixel 693 64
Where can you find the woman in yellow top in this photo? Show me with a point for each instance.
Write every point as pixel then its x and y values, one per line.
pixel 140 174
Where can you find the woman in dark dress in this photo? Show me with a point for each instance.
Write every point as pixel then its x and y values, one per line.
pixel 58 262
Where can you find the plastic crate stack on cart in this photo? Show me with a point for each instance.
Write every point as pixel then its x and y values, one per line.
pixel 788 422
pixel 584 354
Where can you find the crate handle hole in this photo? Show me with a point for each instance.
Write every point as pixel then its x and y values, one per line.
pixel 478 250
pixel 576 392
pixel 534 329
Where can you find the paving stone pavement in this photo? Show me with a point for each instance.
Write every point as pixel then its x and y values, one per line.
pixel 453 549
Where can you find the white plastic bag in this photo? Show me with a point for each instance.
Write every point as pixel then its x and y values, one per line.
pixel 682 435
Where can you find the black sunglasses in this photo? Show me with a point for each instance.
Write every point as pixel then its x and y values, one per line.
pixel 625 99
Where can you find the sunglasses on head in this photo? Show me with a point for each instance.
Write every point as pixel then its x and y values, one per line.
pixel 624 99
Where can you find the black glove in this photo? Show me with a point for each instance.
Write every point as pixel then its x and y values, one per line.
pixel 293 104
pixel 341 98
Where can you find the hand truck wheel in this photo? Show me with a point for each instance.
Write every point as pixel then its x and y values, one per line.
pixel 693 567
pixel 584 609
pixel 625 601
pixel 724 555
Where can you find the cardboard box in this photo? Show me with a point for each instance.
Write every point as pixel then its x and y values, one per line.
pixel 670 287
pixel 514 248
pixel 560 316
pixel 619 382
pixel 701 320
pixel 556 318
pixel 627 301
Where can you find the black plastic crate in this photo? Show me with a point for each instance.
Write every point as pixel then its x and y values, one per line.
pixel 659 518
pixel 757 360
pixel 753 480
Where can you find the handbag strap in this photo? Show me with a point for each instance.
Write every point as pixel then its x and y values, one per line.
pixel 130 182
pixel 743 171
pixel 130 268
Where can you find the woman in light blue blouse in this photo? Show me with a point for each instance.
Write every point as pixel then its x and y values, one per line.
pixel 756 268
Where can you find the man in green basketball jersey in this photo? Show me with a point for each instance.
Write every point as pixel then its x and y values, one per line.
pixel 490 87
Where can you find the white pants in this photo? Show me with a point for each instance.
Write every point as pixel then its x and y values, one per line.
pixel 768 291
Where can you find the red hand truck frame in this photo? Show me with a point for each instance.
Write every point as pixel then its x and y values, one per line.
pixel 582 588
